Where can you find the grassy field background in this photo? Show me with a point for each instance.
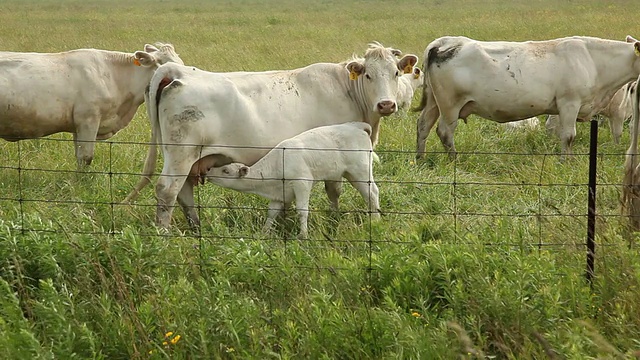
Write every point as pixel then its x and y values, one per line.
pixel 481 257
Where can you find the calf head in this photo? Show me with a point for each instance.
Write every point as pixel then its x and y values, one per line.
pixel 377 77
pixel 231 171
pixel 156 56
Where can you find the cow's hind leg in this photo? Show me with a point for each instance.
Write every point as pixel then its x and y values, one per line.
pixel 302 193
pixel 426 120
pixel 333 190
pixel 445 130
pixel 84 137
pixel 170 184
pixel 187 203
pixel 566 128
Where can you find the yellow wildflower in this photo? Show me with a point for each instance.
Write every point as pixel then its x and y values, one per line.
pixel 165 343
pixel 175 339
pixel 230 349
pixel 416 314
pixel 168 334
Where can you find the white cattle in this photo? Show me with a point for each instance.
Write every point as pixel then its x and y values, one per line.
pixel 617 111
pixel 219 118
pixel 407 84
pixel 90 93
pixel 631 181
pixel 289 171
pixel 573 77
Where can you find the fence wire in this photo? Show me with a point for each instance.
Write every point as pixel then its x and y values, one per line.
pixel 22 173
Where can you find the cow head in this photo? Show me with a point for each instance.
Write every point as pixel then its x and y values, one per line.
pixel 156 56
pixel 377 77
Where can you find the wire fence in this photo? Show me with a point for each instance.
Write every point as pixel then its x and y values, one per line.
pixel 451 204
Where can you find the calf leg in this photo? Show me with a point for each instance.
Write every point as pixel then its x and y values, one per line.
pixel 302 192
pixel 333 190
pixel 369 191
pixel 426 120
pixel 275 208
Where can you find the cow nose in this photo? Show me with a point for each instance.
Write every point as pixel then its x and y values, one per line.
pixel 386 107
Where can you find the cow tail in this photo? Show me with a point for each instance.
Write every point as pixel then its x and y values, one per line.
pixel 159 80
pixel 630 196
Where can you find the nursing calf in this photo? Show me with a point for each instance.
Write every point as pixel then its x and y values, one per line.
pixel 573 77
pixel 289 171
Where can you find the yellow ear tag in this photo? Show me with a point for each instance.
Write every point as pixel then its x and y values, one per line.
pixel 637 51
pixel 408 68
pixel 136 62
pixel 353 75
pixel 415 76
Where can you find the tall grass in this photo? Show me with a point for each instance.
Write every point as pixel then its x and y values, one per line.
pixel 483 256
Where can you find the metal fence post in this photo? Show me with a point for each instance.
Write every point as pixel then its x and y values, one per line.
pixel 591 215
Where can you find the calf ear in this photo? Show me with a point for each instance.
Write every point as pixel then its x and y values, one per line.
pixel 630 39
pixel 150 48
pixel 142 58
pixel 396 52
pixel 355 69
pixel 636 47
pixel 407 62
pixel 243 171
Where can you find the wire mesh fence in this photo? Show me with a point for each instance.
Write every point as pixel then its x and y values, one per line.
pixel 432 200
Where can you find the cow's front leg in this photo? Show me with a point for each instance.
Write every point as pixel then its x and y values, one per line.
pixel 566 128
pixel 187 203
pixel 84 140
pixel 428 117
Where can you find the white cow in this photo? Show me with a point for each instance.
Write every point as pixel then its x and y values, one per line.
pixel 289 171
pixel 574 77
pixel 527 124
pixel 630 198
pixel 219 118
pixel 90 93
pixel 617 111
pixel 407 84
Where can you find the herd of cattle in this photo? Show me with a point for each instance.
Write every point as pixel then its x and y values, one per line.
pixel 259 131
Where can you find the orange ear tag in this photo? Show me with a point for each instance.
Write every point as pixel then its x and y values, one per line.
pixel 408 68
pixel 353 75
pixel 136 62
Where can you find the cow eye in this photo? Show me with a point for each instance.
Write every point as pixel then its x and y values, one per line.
pixel 225 171
pixel 367 76
pixel 397 73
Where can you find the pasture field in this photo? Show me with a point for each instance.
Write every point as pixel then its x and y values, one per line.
pixel 482 257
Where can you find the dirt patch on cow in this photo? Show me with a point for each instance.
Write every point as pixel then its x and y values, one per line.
pixel 190 113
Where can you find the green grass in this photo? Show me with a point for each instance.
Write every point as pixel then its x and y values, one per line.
pixel 449 272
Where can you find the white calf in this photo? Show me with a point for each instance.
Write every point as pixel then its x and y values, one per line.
pixel 407 85
pixel 288 171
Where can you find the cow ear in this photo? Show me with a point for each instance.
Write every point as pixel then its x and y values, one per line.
pixel 636 47
pixel 355 69
pixel 407 62
pixel 150 48
pixel 630 39
pixel 142 58
pixel 243 171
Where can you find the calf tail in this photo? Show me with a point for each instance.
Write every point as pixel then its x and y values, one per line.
pixel 159 81
pixel 630 187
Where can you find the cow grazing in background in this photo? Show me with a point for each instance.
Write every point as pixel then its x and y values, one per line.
pixel 618 110
pixel 527 124
pixel 90 93
pixel 573 77
pixel 209 119
pixel 289 171
pixel 631 180
pixel 407 85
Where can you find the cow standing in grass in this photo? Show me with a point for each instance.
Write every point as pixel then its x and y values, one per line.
pixel 631 181
pixel 574 77
pixel 90 93
pixel 407 85
pixel 206 119
pixel 289 171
